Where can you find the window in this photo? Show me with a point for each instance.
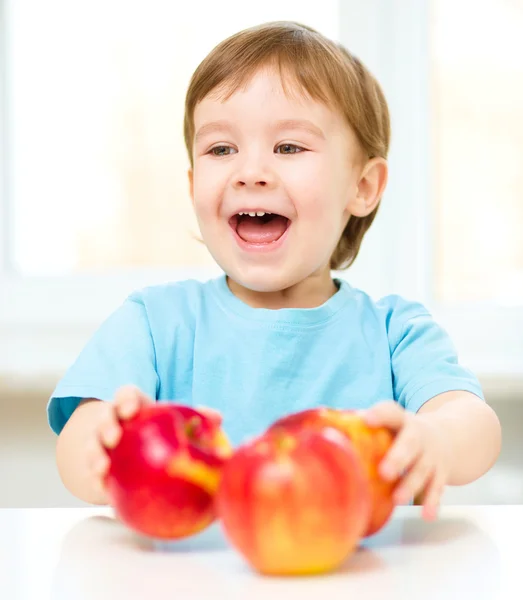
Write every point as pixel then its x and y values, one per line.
pixel 93 170
pixel 477 137
pixel 450 224
pixel 95 103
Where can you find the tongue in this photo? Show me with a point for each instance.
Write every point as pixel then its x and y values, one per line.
pixel 256 231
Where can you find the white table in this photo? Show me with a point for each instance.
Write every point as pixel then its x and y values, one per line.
pixel 85 554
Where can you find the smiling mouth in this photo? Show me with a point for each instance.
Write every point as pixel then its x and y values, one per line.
pixel 259 227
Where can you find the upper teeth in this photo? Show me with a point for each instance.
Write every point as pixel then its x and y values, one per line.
pixel 255 214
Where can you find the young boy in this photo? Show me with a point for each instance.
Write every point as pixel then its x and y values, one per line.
pixel 287 135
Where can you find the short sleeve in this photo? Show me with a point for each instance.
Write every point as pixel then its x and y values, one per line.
pixel 423 358
pixel 120 352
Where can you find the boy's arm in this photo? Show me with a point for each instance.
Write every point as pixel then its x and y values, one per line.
pixel 72 451
pixel 453 439
pixel 472 431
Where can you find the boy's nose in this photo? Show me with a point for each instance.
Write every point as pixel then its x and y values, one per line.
pixel 260 183
pixel 254 174
pixel 258 180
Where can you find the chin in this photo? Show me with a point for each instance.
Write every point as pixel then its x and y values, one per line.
pixel 264 279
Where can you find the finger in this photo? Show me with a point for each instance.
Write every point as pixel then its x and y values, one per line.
pixel 101 465
pixel 415 480
pixel 110 433
pixel 432 498
pixel 128 400
pixel 405 450
pixel 97 459
pixel 211 413
pixel 388 414
pixel 100 486
pixel 108 430
pixel 92 451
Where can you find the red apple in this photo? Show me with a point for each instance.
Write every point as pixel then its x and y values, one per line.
pixel 371 443
pixel 165 471
pixel 294 502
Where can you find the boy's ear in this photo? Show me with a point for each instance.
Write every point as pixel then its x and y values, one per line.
pixel 372 183
pixel 191 184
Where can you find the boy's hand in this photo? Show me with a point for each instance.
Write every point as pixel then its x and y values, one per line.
pixel 419 455
pixel 108 431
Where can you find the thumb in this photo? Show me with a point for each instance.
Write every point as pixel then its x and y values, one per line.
pixel 211 413
pixel 386 414
pixel 128 399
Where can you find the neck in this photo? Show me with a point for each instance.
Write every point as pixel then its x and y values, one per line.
pixel 309 293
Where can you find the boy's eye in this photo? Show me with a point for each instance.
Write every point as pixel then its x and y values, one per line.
pixel 281 149
pixel 289 149
pixel 220 150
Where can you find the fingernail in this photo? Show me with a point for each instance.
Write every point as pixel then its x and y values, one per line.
pixel 387 471
pixel 432 513
pixel 110 436
pixel 101 487
pixel 100 465
pixel 402 497
pixel 127 408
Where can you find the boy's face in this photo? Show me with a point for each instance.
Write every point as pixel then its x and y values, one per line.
pixel 263 151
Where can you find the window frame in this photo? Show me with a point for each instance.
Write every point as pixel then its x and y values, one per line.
pixel 397 33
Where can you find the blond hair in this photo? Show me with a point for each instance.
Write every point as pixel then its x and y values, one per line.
pixel 325 70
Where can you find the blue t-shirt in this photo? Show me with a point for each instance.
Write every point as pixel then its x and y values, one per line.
pixel 197 343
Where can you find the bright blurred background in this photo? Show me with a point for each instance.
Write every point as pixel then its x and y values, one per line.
pixel 94 198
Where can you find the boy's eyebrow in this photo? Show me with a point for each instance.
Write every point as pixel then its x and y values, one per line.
pixel 303 124
pixel 223 125
pixel 212 127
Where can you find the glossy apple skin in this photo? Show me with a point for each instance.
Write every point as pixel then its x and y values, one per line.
pixel 371 443
pixel 165 470
pixel 294 503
